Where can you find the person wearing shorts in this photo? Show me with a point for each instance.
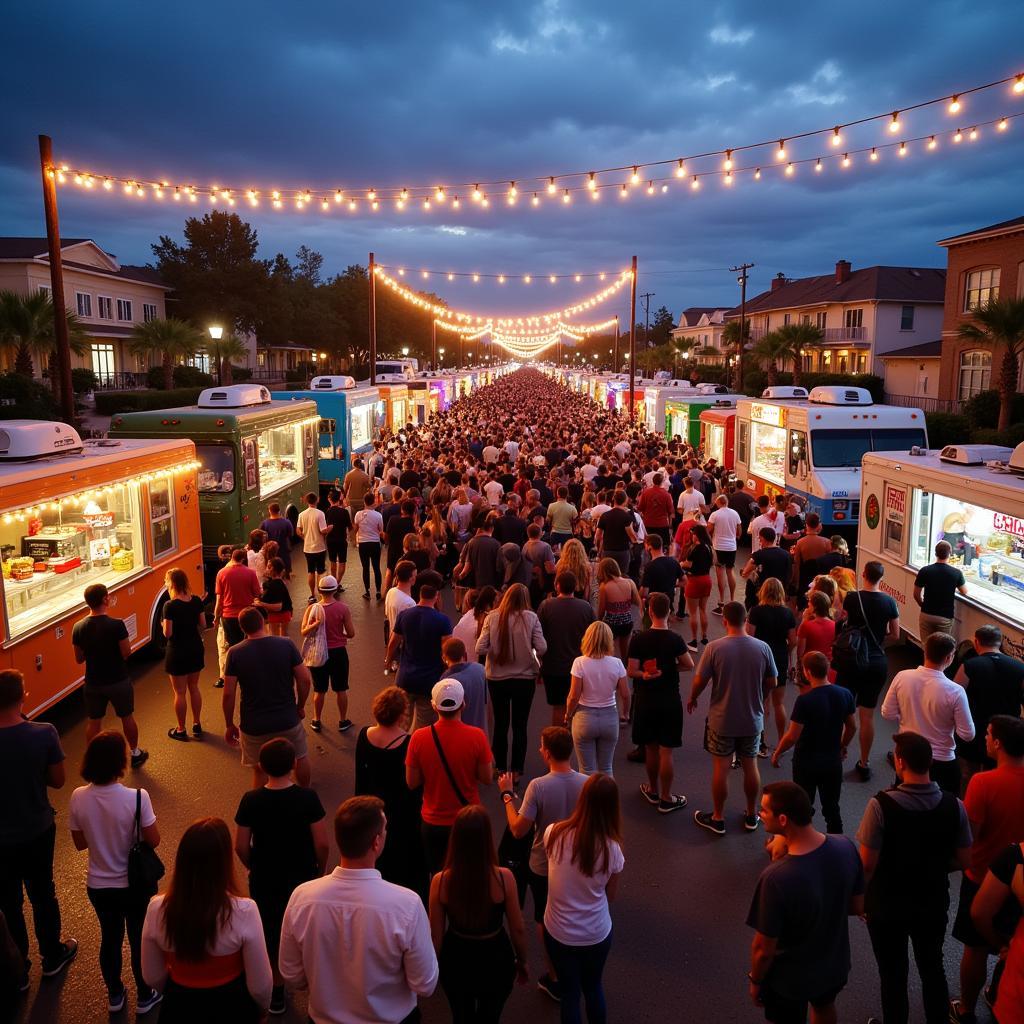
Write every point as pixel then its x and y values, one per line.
pixel 726 528
pixel 312 527
pixel 333 673
pixel 564 619
pixel 340 522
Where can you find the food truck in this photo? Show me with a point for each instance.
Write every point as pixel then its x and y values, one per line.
pixel 675 410
pixel 395 397
pixel 253 450
pixel 74 513
pixel 718 432
pixel 811 446
pixel 426 398
pixel 969 495
pixel 348 422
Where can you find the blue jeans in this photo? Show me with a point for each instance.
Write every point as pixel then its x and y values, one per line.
pixel 595 731
pixel 579 970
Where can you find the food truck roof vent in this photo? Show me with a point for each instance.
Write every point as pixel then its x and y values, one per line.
pixel 1016 460
pixel 234 396
pixel 784 391
pixel 975 454
pixel 724 403
pixel 663 375
pixel 712 389
pixel 334 383
pixel 841 396
pixel 35 439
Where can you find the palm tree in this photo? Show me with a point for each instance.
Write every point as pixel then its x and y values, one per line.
pixel 682 347
pixel 172 338
pixel 770 350
pixel 794 340
pixel 27 324
pixel 229 347
pixel 737 338
pixel 1000 324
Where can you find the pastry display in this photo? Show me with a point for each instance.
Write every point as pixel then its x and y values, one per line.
pixel 123 561
pixel 21 568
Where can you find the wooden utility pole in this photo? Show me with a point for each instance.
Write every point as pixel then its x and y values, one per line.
pixel 65 393
pixel 632 340
pixel 615 358
pixel 742 282
pixel 373 322
pixel 433 344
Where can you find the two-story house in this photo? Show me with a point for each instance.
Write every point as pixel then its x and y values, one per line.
pixel 984 264
pixel 861 314
pixel 705 325
pixel 108 297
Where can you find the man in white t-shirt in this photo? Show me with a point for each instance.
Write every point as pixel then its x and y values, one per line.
pixel 622 449
pixel 726 527
pixel 313 529
pixel 512 447
pixel 399 597
pixel 588 471
pixel 493 492
pixel 769 516
pixel 690 501
pixel 490 453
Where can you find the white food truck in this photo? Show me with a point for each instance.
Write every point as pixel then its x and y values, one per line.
pixel 969 495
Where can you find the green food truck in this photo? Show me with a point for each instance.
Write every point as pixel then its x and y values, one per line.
pixel 253 451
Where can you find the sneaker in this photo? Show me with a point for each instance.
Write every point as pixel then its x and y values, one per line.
pixel 56 964
pixel 717 610
pixel 649 795
pixel 863 771
pixel 677 803
pixel 692 646
pixel 958 1015
pixel 115 1003
pixel 704 640
pixel 344 725
pixel 219 685
pixel 751 822
pixel 139 759
pixel 277 1001
pixel 316 725
pixel 704 819
pixel 636 755
pixel 144 1005
pixel 179 735
pixel 366 595
pixel 197 731
pixel 550 987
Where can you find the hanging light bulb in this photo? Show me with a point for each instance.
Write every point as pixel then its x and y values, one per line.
pixel 476 278
pixel 1018 84
pixel 439 194
pixel 903 149
pixel 451 277
pixel 837 138
pixel 650 188
pixel 757 174
pixel 455 203
pixel 595 194
pixel 552 278
pixel 624 192
pixel 973 134
pixel 727 164
pixel 592 182
pixel 108 184
pixel 894 124
pixel 371 195
pixel 874 153
pixel 695 184
pixel 932 143
pixel 846 159
pixel 780 153
pixel 954 104
pixel 551 186
pixel 817 165
pixel 958 136
pixel 535 200
pixel 338 197
pixel 634 178
pixel 566 198
pixel 727 179
pixel 681 169
pixel 789 169
pixel 527 279
pixel 1002 124
pixel 501 279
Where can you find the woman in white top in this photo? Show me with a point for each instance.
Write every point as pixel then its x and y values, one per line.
pixel 202 942
pixel 590 707
pixel 584 861
pixel 479 603
pixel 102 820
pixel 369 529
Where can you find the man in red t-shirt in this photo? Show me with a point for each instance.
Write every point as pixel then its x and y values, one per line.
pixel 995 806
pixel 236 588
pixel 446 790
pixel 656 509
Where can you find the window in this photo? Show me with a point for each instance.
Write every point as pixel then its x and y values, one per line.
pixel 786 319
pixel 844 448
pixel 327 429
pixel 161 516
pixel 106 307
pixel 805 318
pixel 363 423
pixel 45 289
pixel 280 457
pixel 83 300
pixel 217 474
pixel 124 309
pixel 148 311
pixel 895 519
pixel 860 362
pixel 807 362
pixel 819 320
pixel 103 361
pixel 768 452
pixel 975 373
pixel 70 548
pixel 742 440
pixel 982 285
pixel 854 318
pixel 797 453
pixel 261 358
pixel 906 318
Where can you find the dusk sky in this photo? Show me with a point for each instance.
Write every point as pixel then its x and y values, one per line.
pixel 325 95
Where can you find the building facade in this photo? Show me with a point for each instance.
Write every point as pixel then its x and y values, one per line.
pixel 984 264
pixel 704 324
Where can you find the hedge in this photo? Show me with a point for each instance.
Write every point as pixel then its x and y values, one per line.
pixel 982 410
pixel 946 428
pixel 83 380
pixel 24 398
pixel 755 381
pixel 1006 438
pixel 109 403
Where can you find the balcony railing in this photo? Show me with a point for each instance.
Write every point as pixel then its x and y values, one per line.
pixel 924 402
pixel 830 335
pixel 120 380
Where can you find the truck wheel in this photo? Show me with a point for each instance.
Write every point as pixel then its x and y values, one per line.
pixel 157 646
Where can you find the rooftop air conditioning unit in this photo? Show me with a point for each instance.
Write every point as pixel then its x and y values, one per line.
pixel 234 396
pixel 34 439
pixel 836 395
pixel 391 378
pixel 1016 460
pixel 335 383
pixel 724 403
pixel 712 389
pixel 663 375
pixel 974 454
pixel 784 391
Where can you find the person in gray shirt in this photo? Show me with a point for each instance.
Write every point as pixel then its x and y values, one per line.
pixel 564 619
pixel 741 672
pixel 548 799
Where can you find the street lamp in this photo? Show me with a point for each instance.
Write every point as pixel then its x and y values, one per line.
pixel 216 333
pixel 405 350
pixel 440 352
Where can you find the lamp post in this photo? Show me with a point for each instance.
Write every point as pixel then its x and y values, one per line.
pixel 440 352
pixel 216 333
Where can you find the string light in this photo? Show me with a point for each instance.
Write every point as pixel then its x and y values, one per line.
pixel 837 137
pixel 874 153
pixel 789 169
pixel 757 174
pixel 634 178
pixel 954 104
pixel 817 165
pixel 727 179
pixel 958 136
pixel 551 186
pixel 1018 85
pixel 1002 124
pixel 592 182
pixel 903 149
pixel 650 188
pixel 894 124
pixel 727 164
pixel 681 169
pixel 780 153
pixel 535 200
pixel 566 197
pixel 932 144
pixel 846 159
pixel 973 135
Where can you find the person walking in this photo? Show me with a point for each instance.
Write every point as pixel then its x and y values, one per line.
pixel 339 519
pixel 313 530
pixel 561 518
pixel 800 913
pixel 31 761
pixel 471 900
pixel 357 483
pixel 336 618
pixel 910 838
pixel 726 528
pixel 183 622
pixel 656 508
pixel 450 760
pixel 478 604
pixel 369 532
pixel 274 685
pixel 597 676
pixel 275 600
pixel 773 621
pixel 106 819
pixel 585 860
pixel 617 596
pixel 935 590
pixel 573 558
pixel 697 589
pixel 807 553
pixel 923 700
pixel 279 528
pixel 397 528
pixel 479 563
pixel 472 677
pixel 236 588
pixel 821 727
pixel 616 533
pixel 202 941
pixel 511 642
pixel 767 561
pixel 741 672
pixel 281 838
pixel 101 643
pixel 816 631
pixel 548 798
pixel 564 619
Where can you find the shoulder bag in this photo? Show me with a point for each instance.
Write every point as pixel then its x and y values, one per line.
pixel 314 645
pixel 145 868
pixel 447 767
pixel 850 651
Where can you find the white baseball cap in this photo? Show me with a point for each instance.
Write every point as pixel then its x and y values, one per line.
pixel 327 584
pixel 448 695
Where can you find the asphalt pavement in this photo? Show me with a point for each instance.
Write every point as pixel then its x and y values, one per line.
pixel 681 944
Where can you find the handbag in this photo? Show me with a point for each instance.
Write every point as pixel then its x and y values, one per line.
pixel 850 651
pixel 314 645
pixel 145 868
pixel 447 767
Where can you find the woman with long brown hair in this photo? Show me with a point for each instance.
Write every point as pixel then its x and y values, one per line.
pixel 573 557
pixel 511 641
pixel 202 941
pixel 584 861
pixel 470 900
pixel 616 597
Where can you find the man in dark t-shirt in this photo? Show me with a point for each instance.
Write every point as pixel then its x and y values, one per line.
pixel 662 573
pixel 767 562
pixel 934 591
pixel 615 532
pixel 279 528
pixel 340 521
pixel 564 619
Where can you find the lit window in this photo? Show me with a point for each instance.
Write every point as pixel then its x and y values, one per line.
pixel 975 373
pixel 982 287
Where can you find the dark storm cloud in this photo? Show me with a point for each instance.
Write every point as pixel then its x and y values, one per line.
pixel 404 93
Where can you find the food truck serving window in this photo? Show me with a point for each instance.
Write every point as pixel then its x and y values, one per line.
pixel 844 449
pixel 217 475
pixel 161 516
pixel 362 425
pixel 988 547
pixel 280 455
pixel 52 552
pixel 768 452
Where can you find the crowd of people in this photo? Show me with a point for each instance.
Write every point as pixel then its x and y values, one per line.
pixel 586 554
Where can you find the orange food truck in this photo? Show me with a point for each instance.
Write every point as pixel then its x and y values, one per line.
pixel 74 513
pixel 395 396
pixel 718 434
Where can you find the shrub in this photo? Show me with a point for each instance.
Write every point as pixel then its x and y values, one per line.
pixel 756 380
pixel 83 380
pixel 109 403
pixel 240 374
pixel 22 397
pixel 191 377
pixel 982 410
pixel 297 374
pixel 1006 438
pixel 946 428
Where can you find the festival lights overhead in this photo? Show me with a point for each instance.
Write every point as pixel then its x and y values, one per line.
pixel 720 163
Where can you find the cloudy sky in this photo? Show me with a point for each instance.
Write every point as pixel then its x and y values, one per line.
pixel 327 94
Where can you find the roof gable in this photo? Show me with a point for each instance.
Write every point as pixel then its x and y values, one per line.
pixel 1003 227
pixel 14 247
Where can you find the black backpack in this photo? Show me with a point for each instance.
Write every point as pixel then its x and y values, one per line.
pixel 851 651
